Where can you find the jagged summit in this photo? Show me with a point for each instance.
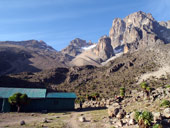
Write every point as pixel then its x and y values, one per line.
pixel 138 30
pixel 75 47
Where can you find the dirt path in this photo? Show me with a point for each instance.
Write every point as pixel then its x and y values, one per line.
pixel 73 122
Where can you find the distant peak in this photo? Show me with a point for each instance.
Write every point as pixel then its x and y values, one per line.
pixel 141 14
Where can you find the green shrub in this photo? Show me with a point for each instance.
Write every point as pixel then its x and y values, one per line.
pixel 80 99
pixel 148 89
pixel 144 85
pixel 165 103
pixel 157 126
pixel 122 92
pixel 167 86
pixel 144 119
pixel 19 100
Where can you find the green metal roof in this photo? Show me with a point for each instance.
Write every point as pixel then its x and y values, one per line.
pixel 32 93
pixel 61 95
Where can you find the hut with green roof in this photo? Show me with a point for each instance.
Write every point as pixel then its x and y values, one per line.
pixel 41 100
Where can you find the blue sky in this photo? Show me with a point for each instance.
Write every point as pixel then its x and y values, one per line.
pixel 57 22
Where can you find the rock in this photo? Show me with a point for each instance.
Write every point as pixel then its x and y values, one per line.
pixel 82 119
pixel 32 114
pixel 121 114
pixel 45 120
pixel 166 112
pixel 119 123
pixel 157 116
pixel 132 115
pixel 127 116
pixel 166 121
pixel 22 122
pixel 132 122
pixel 104 49
pixel 113 111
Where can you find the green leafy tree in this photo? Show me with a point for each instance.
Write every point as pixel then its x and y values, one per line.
pixel 144 119
pixel 19 100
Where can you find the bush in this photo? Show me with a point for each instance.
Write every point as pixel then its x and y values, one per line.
pixel 122 92
pixel 157 126
pixel 144 85
pixel 167 86
pixel 80 99
pixel 144 119
pixel 18 99
pixel 165 103
pixel 148 89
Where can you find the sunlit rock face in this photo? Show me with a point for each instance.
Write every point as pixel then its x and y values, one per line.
pixel 138 30
pixel 104 49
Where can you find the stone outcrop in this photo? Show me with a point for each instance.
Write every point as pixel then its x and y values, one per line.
pixel 96 55
pixel 104 49
pixel 138 30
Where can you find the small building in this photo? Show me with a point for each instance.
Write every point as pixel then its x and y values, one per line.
pixel 41 100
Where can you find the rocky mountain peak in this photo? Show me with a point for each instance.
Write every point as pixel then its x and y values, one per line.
pixel 138 30
pixel 104 49
pixel 78 42
pixel 138 19
pixel 75 47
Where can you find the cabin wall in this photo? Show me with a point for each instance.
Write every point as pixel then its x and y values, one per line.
pixel 1 101
pixel 4 105
pixel 49 104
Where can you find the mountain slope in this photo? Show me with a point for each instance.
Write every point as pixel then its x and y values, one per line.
pixel 124 71
pixel 96 55
pixel 29 56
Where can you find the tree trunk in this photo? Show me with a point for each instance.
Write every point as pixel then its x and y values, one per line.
pixel 18 108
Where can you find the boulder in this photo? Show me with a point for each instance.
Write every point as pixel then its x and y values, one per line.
pixel 157 116
pixel 113 111
pixel 132 122
pixel 22 122
pixel 121 114
pixel 82 119
pixel 166 112
pixel 132 115
pixel 45 120
pixel 119 124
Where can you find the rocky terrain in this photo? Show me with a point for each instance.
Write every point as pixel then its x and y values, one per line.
pixel 105 112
